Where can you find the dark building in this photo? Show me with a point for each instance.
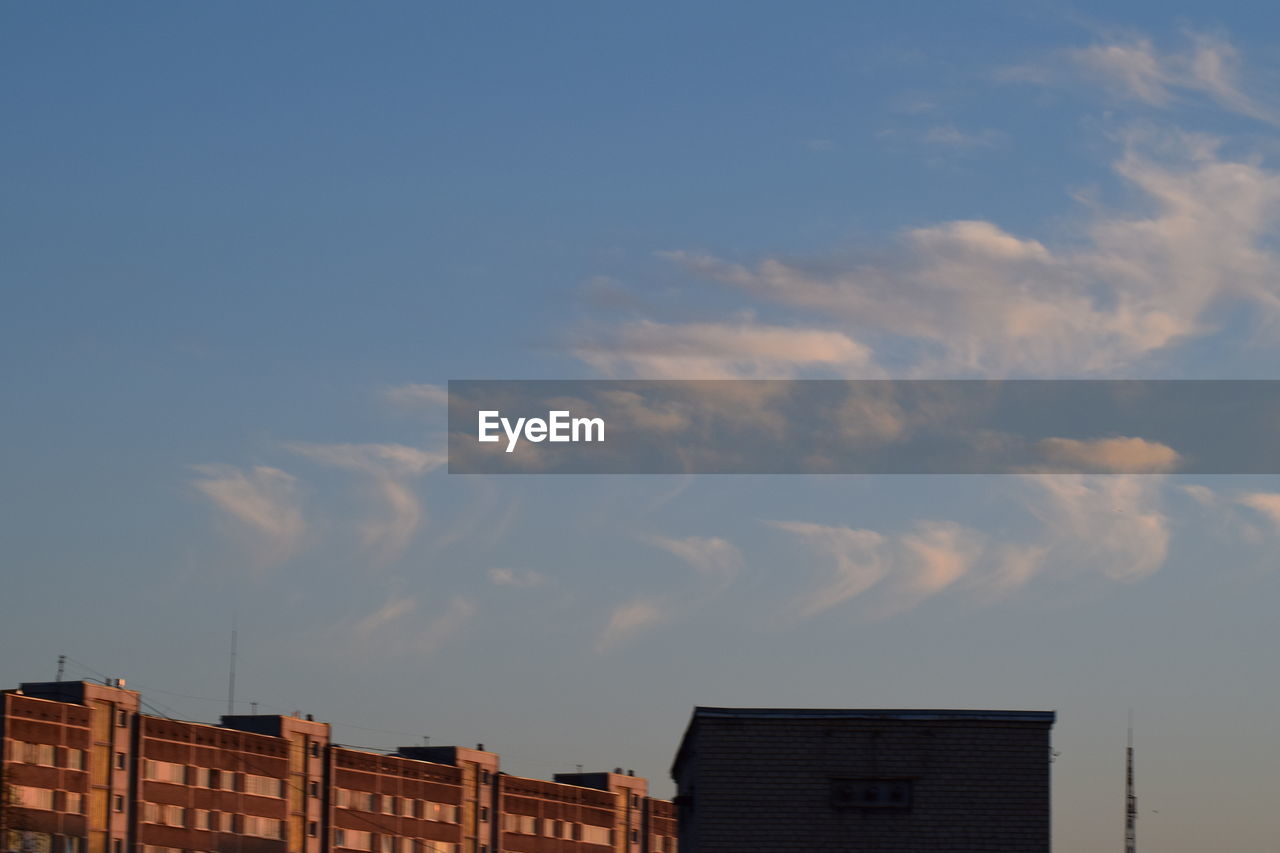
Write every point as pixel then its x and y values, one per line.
pixel 864 781
pixel 84 772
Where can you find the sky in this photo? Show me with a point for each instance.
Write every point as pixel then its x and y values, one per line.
pixel 245 247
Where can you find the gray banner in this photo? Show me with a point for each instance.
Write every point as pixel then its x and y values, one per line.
pixel 864 427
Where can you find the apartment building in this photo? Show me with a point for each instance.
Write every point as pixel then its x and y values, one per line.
pixel 85 772
pixel 874 781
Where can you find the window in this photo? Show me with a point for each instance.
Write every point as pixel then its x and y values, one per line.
pixel 352 839
pixel 597 834
pixel 484 813
pixel 262 827
pixel 117 803
pixel 168 815
pixel 122 718
pixel 117 845
pixel 37 753
pixel 314 789
pixel 33 798
pixel 166 771
pixel 263 786
pixel 871 795
pixel 75 803
pixel 75 759
pixel 388 844
pixel 121 761
pixel 313 829
pixel 441 812
pixel 315 749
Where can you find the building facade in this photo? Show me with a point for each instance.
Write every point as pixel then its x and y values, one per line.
pixel 83 771
pixel 864 781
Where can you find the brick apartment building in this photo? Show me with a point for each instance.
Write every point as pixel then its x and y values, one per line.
pixel 84 771
pixel 839 781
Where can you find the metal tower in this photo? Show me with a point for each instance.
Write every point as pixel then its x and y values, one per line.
pixel 1131 800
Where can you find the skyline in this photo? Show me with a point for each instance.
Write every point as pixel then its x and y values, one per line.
pixel 246 248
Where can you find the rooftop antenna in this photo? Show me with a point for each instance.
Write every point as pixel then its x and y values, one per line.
pixel 231 682
pixel 1131 800
pixel 62 666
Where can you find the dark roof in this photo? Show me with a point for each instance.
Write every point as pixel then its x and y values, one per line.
pixel 917 714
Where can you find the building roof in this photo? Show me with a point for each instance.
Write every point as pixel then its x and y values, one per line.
pixel 917 714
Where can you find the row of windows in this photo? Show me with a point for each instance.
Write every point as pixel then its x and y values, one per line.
pixel 45 799
pixel 204 777
pixel 401 806
pixel 356 839
pixel 46 754
pixel 527 825
pixel 212 821
pixel 40 842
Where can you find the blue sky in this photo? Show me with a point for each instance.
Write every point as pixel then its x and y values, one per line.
pixel 245 246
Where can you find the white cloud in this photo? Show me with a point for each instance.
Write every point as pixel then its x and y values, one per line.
pixel 715 559
pixel 857 558
pixel 1266 504
pixel 398 626
pixel 938 554
pixel 1119 455
pixel 393 611
pixel 388 467
pixel 968 298
pixel 516 578
pixel 1091 525
pixel 744 349
pixel 1107 524
pixel 1135 68
pixel 628 619
pixel 264 504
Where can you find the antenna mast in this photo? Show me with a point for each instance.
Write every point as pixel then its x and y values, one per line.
pixel 1131 799
pixel 231 682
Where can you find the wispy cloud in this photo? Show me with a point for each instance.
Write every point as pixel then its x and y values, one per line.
pixel 743 349
pixel 857 563
pixel 519 579
pixel 1117 291
pixel 969 298
pixel 713 558
pixel 1109 526
pixel 630 618
pixel 389 468
pixel 264 505
pixel 1118 455
pixel 1266 504
pixel 399 626
pixel 1136 68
